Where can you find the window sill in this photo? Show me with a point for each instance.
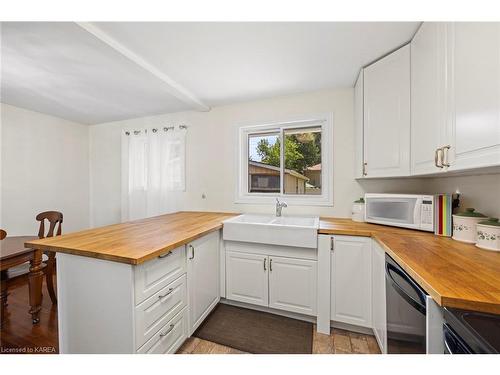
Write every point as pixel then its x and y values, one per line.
pixel 291 200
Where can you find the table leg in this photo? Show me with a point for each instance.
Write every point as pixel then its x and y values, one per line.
pixel 3 296
pixel 35 285
pixel 49 276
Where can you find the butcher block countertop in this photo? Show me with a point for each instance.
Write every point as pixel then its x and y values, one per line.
pixel 137 241
pixel 453 273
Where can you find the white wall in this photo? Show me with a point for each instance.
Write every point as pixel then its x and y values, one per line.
pixel 212 154
pixel 480 191
pixel 45 166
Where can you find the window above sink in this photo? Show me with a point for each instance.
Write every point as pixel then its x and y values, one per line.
pixel 292 160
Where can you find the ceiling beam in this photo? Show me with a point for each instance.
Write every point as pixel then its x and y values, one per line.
pixel 173 87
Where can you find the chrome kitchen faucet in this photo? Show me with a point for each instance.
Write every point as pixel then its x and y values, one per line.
pixel 279 207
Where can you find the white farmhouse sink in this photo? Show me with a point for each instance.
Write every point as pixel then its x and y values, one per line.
pixel 294 231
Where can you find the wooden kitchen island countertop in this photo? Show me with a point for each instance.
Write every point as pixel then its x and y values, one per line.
pixel 135 242
pixel 453 273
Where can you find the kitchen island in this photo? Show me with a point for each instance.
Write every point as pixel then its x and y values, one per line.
pixel 138 287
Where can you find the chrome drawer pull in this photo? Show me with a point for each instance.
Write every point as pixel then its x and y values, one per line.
pixel 167 331
pixel 165 255
pixel 170 290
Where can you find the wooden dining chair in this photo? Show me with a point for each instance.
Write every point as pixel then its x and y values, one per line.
pixel 54 219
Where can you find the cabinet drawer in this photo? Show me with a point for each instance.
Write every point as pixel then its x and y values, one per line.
pixel 158 309
pixel 169 338
pixel 155 274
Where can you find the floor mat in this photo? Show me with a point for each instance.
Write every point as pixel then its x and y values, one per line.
pixel 256 332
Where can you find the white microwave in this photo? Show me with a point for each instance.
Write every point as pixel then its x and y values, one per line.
pixel 401 210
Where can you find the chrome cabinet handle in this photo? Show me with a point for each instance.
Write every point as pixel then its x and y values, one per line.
pixel 437 158
pixel 192 252
pixel 332 244
pixel 364 169
pixel 271 265
pixel 167 331
pixel 265 260
pixel 165 255
pixel 444 150
pixel 170 290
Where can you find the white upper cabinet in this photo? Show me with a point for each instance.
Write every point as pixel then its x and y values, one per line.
pixel 358 127
pixel 475 71
pixel 429 107
pixel 455 103
pixel 387 115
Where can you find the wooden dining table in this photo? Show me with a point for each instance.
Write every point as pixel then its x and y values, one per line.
pixel 14 253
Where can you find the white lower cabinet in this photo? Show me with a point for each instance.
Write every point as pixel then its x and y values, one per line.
pixel 292 285
pixel 351 294
pixel 109 307
pixel 203 278
pixel 272 281
pixel 247 278
pixel 379 319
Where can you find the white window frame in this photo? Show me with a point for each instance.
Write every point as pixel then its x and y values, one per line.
pixel 325 121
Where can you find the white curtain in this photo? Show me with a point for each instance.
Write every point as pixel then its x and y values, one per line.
pixel 153 172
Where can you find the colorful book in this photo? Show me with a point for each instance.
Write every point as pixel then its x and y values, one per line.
pixel 442 215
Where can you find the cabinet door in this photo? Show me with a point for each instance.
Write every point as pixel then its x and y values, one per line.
pixel 292 285
pixel 475 57
pixel 387 115
pixel 350 279
pixel 247 278
pixel 379 319
pixel 429 106
pixel 203 277
pixel 358 127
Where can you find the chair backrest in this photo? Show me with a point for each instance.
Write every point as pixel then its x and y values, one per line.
pixel 54 218
pixel 3 234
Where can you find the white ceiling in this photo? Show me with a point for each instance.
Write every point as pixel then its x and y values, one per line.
pixel 126 70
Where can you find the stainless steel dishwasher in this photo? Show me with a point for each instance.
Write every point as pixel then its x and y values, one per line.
pixel 406 311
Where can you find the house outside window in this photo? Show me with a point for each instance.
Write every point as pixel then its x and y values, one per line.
pixel 289 159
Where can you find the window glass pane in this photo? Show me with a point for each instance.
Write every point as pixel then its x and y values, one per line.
pixel 264 163
pixel 302 173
